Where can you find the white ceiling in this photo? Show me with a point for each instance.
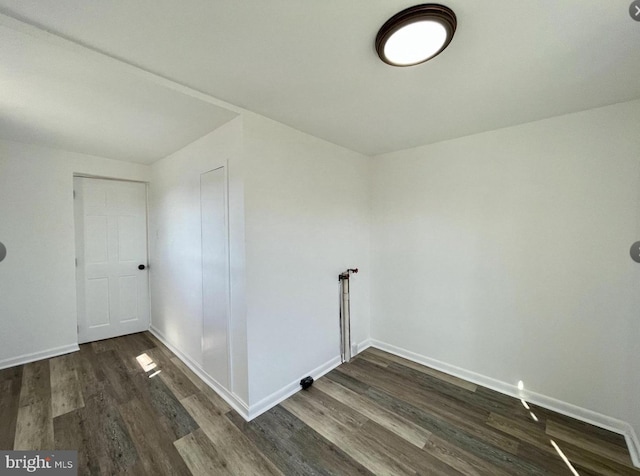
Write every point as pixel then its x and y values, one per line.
pixel 312 65
pixel 52 96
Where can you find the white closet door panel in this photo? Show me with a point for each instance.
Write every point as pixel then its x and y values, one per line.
pixel 215 275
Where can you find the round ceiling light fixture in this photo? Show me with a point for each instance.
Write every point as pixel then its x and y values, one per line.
pixel 416 35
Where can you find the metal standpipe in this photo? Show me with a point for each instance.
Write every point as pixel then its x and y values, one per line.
pixel 345 318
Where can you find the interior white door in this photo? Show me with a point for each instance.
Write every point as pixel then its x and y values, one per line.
pixel 215 276
pixel 111 246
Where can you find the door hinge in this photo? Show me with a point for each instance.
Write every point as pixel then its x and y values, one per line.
pixel 76 262
pixel 74 194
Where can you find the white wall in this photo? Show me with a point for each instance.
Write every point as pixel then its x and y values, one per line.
pixel 307 219
pixel 503 253
pixel 299 208
pixel 507 254
pixel 176 247
pixel 37 278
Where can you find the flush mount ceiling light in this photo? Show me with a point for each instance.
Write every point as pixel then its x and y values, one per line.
pixel 416 35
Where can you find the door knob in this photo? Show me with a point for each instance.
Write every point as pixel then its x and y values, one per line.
pixel 141 267
pixel 635 252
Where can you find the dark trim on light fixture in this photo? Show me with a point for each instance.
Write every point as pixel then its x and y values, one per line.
pixel 417 13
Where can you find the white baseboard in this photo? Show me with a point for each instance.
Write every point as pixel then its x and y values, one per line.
pixel 550 403
pixel 247 412
pixel 634 445
pixel 34 356
pixel 232 399
pixel 365 344
pixel 285 392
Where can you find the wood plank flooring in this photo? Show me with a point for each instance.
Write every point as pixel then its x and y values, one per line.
pixel 379 414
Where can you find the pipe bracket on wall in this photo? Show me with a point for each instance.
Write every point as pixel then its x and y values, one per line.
pixel 345 275
pixel 345 315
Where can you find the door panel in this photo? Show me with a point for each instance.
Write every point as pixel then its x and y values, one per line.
pixel 215 275
pixel 96 248
pixel 128 297
pixel 98 297
pixel 131 239
pixel 111 241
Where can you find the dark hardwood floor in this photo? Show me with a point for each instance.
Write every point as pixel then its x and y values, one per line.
pixel 379 414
